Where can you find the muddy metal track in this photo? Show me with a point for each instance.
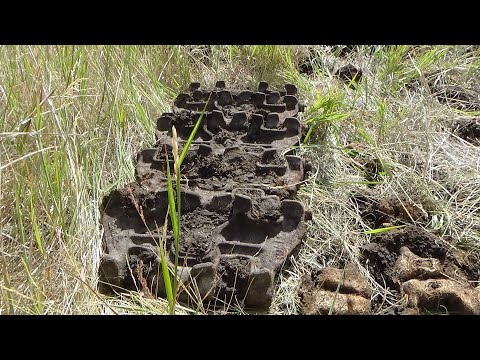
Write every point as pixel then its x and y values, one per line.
pixel 239 223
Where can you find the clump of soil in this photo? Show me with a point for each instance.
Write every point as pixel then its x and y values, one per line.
pixel 468 130
pixel 261 207
pixel 226 137
pixel 406 260
pixel 196 228
pixel 389 211
pixel 349 74
pixel 343 50
pixel 370 165
pixel 141 262
pixel 233 168
pixel 234 275
pixel 435 294
pixel 229 110
pixel 307 67
pixel 334 290
pixel 237 166
pixel 456 97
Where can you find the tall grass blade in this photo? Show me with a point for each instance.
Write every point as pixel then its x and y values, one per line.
pixel 36 231
pixel 171 200
pixel 178 212
pixel 166 273
pixel 382 230
pixel 332 307
pixel 175 217
pixel 25 156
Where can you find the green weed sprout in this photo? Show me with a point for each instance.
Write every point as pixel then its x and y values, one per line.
pixel 174 208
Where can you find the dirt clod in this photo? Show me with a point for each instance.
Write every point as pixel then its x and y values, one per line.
pixel 442 295
pixel 343 50
pixel 427 269
pixel 326 302
pixel 456 97
pixel 410 266
pixel 390 210
pixel 468 129
pixel 337 291
pixel 349 74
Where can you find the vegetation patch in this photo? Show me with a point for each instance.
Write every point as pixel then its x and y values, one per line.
pixel 384 168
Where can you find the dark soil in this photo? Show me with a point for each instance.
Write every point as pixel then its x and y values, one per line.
pixel 389 211
pixel 368 164
pixel 310 64
pixel 468 129
pixel 343 50
pixel 237 166
pixel 306 67
pixel 143 259
pixel 196 231
pixel 234 273
pixel 456 97
pixel 349 74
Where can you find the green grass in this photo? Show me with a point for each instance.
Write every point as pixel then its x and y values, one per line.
pixel 175 211
pixel 72 119
pixel 382 230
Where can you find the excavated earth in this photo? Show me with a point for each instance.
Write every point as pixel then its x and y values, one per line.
pixel 425 273
pixel 432 275
pixel 239 223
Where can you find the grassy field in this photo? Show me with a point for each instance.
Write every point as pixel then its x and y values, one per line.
pixel 73 117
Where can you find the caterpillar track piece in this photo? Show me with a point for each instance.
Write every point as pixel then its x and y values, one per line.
pixel 239 223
